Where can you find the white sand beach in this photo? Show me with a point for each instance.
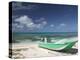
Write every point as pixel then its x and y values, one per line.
pixel 34 51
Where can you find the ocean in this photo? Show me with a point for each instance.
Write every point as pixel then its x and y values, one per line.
pixel 23 37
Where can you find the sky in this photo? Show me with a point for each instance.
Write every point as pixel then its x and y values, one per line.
pixel 37 17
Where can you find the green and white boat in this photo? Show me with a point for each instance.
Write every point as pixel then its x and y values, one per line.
pixel 59 45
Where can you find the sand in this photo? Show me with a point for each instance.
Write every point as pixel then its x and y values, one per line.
pixel 34 51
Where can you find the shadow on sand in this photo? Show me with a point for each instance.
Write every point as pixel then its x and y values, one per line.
pixel 71 51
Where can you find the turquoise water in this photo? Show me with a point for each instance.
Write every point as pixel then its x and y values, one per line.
pixel 46 33
pixel 33 37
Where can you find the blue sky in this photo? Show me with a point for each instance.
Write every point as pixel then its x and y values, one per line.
pixel 34 17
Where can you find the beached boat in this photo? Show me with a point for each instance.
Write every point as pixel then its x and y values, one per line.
pixel 57 45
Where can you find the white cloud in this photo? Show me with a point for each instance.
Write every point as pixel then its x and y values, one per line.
pixel 62 24
pixel 40 20
pixel 25 21
pixel 16 26
pixel 44 22
pixel 51 25
pixel 20 26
